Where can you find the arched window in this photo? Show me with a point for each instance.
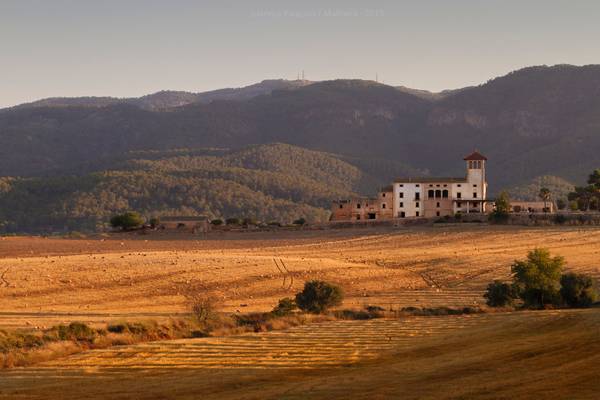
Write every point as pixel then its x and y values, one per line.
pixel 430 194
pixel 445 194
pixel 438 194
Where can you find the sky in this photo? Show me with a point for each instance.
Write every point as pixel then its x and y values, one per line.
pixel 127 48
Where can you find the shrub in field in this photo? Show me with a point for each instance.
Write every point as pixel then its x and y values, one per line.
pixel 499 294
pixel 217 222
pixel 537 278
pixel 299 221
pixel 76 331
pixel 203 309
pixel 577 290
pixel 284 307
pixel 318 296
pixel 233 221
pixel 128 220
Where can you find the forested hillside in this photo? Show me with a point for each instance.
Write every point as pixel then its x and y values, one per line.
pixel 535 122
pixel 269 182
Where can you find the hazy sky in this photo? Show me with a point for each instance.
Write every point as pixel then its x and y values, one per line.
pixel 134 47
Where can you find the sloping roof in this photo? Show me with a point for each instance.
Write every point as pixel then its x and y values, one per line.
pixel 430 179
pixel 184 218
pixel 475 156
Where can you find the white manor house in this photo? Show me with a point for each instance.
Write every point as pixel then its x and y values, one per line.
pixel 423 197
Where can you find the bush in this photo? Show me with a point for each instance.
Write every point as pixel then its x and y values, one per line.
pixel 499 294
pixel 577 290
pixel 560 219
pixel 284 307
pixel 233 221
pixel 76 331
pixel 250 221
pixel 217 222
pixel 300 221
pixel 126 221
pixel 318 296
pixel 202 308
pixel 154 222
pixel 537 278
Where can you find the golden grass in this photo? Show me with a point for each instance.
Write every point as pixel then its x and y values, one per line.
pixel 98 281
pixel 522 355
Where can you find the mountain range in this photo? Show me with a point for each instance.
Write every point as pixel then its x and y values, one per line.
pixel 538 124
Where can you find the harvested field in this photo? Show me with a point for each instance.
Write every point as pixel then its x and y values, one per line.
pixel 48 281
pixel 545 354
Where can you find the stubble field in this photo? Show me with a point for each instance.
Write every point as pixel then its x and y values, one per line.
pixel 48 281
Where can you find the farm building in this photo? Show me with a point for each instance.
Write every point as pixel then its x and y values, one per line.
pixel 422 196
pixel 194 224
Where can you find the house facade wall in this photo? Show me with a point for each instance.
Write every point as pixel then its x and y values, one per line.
pixel 408 200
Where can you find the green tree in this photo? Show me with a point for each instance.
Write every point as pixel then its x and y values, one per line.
pixel 501 208
pixel 561 204
pixel 578 290
pixel 126 221
pixel 545 195
pixel 499 294
pixel 318 296
pixel 284 307
pixel 154 222
pixel 537 278
pixel 594 179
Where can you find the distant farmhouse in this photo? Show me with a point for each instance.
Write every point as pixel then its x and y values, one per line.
pixel 424 197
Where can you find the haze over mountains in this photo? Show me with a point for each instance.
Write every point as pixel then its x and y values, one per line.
pixel 535 122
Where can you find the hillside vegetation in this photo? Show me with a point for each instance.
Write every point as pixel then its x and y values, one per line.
pixel 269 182
pixel 532 123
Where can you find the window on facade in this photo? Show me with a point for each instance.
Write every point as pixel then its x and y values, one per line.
pixel 341 206
pixel 445 185
pixel 382 194
pixel 402 214
pixel 401 204
pixel 383 205
pixel 445 194
pixel 437 213
pixel 401 195
pixel 437 185
pixel 458 195
pixel 417 205
pixel 417 196
pixel 357 217
pixel 474 185
pixel 438 194
pixel 430 194
pixel 459 204
pixel 417 185
pixel 417 213
pixel 401 185
pixel 458 185
pixel 474 195
pixel 438 204
pixel 358 205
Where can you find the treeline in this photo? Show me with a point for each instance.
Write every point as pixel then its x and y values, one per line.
pixel 268 183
